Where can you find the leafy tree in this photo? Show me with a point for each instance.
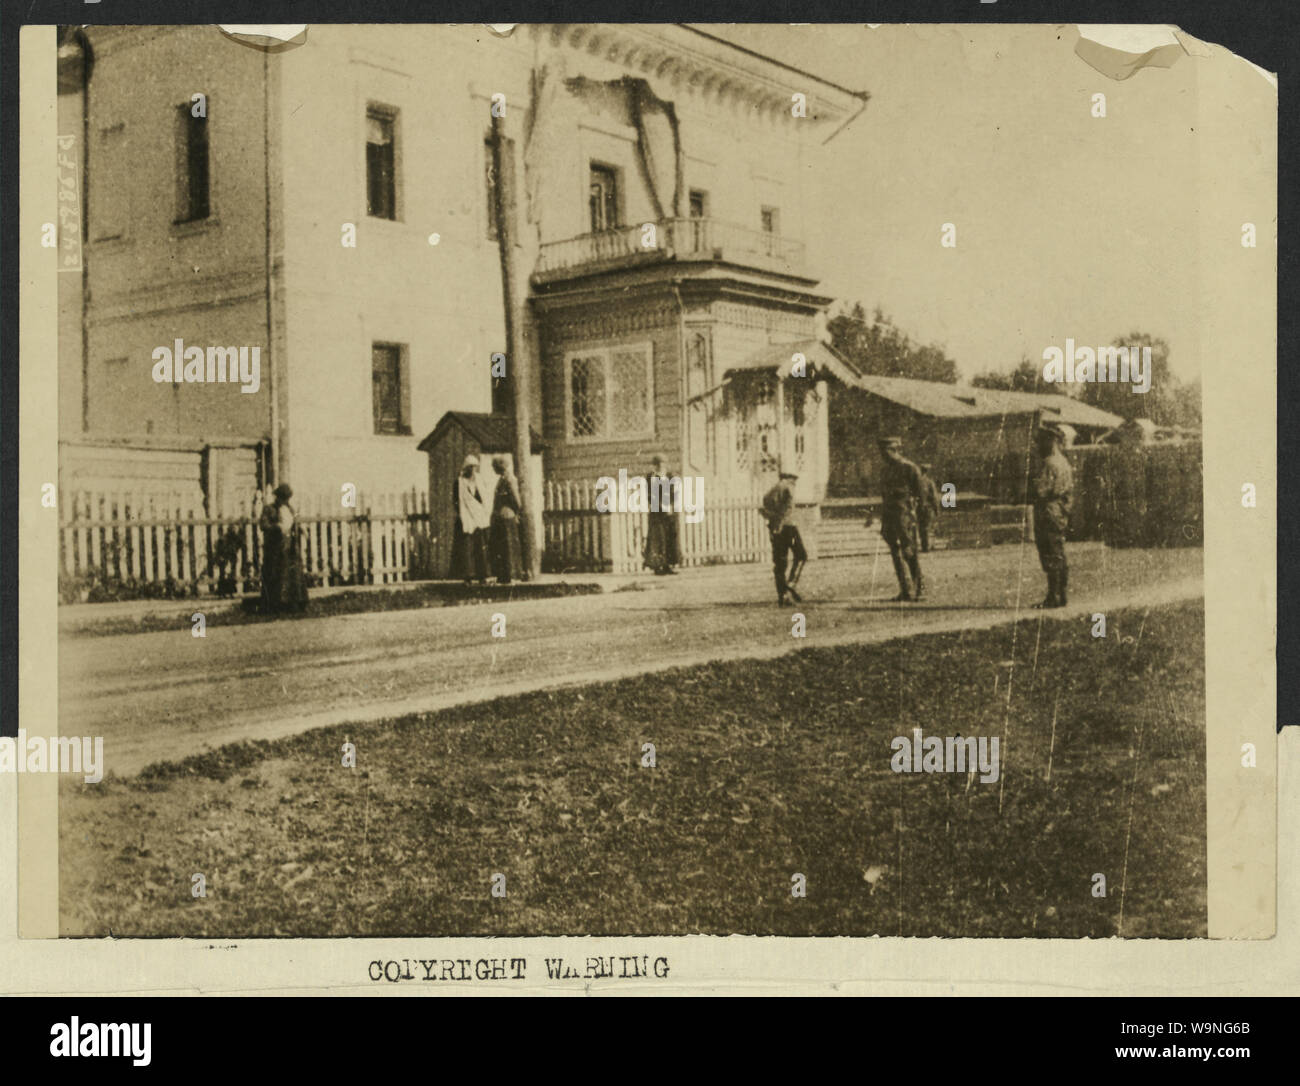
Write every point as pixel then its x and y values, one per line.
pixel 1026 377
pixel 880 348
pixel 1164 403
pixel 1183 407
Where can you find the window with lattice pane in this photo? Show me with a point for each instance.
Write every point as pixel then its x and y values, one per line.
pixel 611 393
pixel 742 447
pixel 587 396
pixel 768 460
pixel 630 394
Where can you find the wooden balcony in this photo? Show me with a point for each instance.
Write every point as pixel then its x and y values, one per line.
pixel 682 240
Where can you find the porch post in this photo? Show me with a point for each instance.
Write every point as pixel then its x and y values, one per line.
pixel 784 460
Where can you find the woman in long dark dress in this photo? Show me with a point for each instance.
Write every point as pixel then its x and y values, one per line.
pixel 661 551
pixel 506 562
pixel 283 586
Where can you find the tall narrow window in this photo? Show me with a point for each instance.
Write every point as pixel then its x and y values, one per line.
pixel 587 392
pixel 192 199
pixel 697 233
pixel 603 198
pixel 111 176
pixel 381 162
pixel 772 229
pixel 391 396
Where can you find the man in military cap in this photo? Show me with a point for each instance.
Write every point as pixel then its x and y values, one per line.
pixel 778 511
pixel 901 491
pixel 928 511
pixel 1051 490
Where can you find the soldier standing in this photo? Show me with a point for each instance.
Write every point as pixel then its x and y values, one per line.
pixel 778 511
pixel 1051 491
pixel 928 511
pixel 901 491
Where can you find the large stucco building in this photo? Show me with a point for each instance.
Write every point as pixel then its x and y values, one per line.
pixel 330 204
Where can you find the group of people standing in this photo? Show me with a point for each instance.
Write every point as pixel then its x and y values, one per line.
pixel 486 532
pixel 909 505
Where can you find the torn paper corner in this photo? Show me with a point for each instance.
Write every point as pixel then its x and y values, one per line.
pixel 272 37
pixel 1120 50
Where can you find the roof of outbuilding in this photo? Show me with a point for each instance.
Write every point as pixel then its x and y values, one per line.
pixel 964 401
pixel 492 433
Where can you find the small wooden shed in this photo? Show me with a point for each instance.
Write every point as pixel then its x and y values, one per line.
pixel 457 435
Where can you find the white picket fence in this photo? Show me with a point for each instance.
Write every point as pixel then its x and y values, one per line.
pixel 580 537
pixel 158 544
pixel 171 542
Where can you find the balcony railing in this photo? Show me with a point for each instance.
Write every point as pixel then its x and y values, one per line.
pixel 671 239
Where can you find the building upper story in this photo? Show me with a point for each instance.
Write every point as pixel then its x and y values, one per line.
pixel 333 203
pixel 193 134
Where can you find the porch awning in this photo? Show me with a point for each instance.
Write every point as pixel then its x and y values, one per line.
pixel 821 358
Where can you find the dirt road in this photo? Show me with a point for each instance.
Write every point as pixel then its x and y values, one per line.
pixel 162 696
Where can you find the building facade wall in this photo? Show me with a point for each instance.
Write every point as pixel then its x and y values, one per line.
pixel 651 321
pixel 290 260
pixel 442 302
pixel 151 279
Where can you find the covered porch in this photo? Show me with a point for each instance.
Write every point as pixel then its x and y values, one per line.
pixel 769 413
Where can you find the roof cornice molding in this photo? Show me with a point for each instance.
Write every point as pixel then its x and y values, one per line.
pixel 680 60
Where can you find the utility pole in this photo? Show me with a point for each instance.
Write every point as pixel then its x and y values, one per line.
pixel 517 368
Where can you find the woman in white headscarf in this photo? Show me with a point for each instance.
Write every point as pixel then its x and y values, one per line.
pixel 473 518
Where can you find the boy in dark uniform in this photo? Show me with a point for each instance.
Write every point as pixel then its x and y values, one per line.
pixel 901 491
pixel 778 511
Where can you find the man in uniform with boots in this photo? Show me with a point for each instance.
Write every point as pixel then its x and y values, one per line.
pixel 1051 490
pixel 778 511
pixel 901 491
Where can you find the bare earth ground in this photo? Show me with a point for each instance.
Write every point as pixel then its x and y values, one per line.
pixel 166 695
pixel 765 768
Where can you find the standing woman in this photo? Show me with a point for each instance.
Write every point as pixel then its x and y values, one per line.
pixel 506 561
pixel 660 552
pixel 473 519
pixel 282 583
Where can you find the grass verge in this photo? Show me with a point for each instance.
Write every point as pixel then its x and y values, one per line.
pixel 764 769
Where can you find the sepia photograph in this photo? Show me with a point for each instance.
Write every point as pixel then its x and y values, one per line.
pixel 636 480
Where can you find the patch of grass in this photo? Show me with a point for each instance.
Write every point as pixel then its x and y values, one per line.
pixel 764 769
